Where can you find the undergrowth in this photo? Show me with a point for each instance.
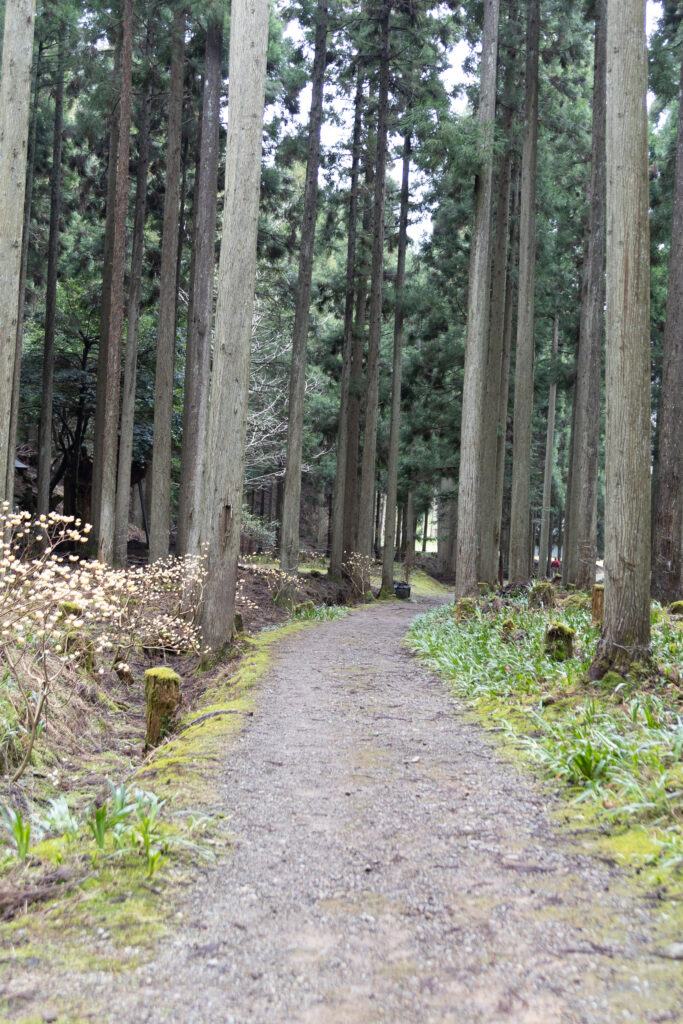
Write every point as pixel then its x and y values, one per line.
pixel 619 747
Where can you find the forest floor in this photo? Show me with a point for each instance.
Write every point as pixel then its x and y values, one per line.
pixel 378 859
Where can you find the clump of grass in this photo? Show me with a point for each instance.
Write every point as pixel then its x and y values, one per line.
pixel 621 747
pixel 307 611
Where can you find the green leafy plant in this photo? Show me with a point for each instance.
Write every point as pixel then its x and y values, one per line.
pixel 18 830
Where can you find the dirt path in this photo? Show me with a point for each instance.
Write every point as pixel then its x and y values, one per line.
pixel 389 867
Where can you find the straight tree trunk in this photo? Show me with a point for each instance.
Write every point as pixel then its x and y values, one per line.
pixel 106 452
pixel 524 358
pixel 544 543
pixel 582 512
pixel 501 545
pixel 625 637
pixel 356 382
pixel 497 368
pixel 478 307
pixel 667 560
pixel 15 98
pixel 105 304
pixel 410 535
pixel 198 355
pixel 289 543
pixel 45 426
pixel 367 483
pixel 387 588
pixel 131 357
pixel 16 380
pixel 425 531
pixel 337 523
pixel 160 512
pixel 228 395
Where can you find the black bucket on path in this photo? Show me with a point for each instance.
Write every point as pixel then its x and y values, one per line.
pixel 402 591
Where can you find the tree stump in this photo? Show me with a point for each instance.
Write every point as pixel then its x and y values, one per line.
pixel 676 608
pixel 465 609
pixel 162 693
pixel 559 641
pixel 598 604
pixel 542 595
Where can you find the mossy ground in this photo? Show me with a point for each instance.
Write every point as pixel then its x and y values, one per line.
pixel 527 697
pixel 113 919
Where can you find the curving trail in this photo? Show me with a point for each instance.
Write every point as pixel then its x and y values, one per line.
pixel 389 867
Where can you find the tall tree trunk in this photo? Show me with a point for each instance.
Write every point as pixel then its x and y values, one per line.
pixel 16 380
pixel 45 427
pixel 198 356
pixel 15 98
pixel 581 554
pixel 367 483
pixel 447 517
pixel 410 535
pixel 105 302
pixel 289 538
pixel 337 523
pixel 497 368
pixel 229 390
pixel 544 543
pixel 626 628
pixel 160 512
pixel 524 358
pixel 500 544
pixel 356 382
pixel 478 306
pixel 667 560
pixel 395 423
pixel 107 452
pixel 131 357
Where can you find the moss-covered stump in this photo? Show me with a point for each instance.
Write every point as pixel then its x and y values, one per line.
pixel 162 694
pixel 507 630
pixel 239 622
pixel 82 646
pixel 598 604
pixel 69 608
pixel 676 608
pixel 559 641
pixel 542 595
pixel 464 609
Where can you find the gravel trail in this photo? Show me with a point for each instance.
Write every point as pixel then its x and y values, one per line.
pixel 388 866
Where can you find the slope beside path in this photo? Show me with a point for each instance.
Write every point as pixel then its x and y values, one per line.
pixel 388 866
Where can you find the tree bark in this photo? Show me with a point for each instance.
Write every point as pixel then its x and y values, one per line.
pixel 625 636
pixel 581 553
pixel 15 98
pixel 228 394
pixel 45 426
pixel 667 560
pixel 498 358
pixel 16 379
pixel 337 525
pixel 105 303
pixel 198 355
pixel 160 512
pixel 387 588
pixel 130 367
pixel 478 307
pixel 106 453
pixel 544 543
pixel 367 483
pixel 289 542
pixel 356 383
pixel 524 358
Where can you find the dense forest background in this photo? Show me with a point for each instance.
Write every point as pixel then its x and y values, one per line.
pixel 362 281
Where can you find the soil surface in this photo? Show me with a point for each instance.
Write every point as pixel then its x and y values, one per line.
pixel 388 866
